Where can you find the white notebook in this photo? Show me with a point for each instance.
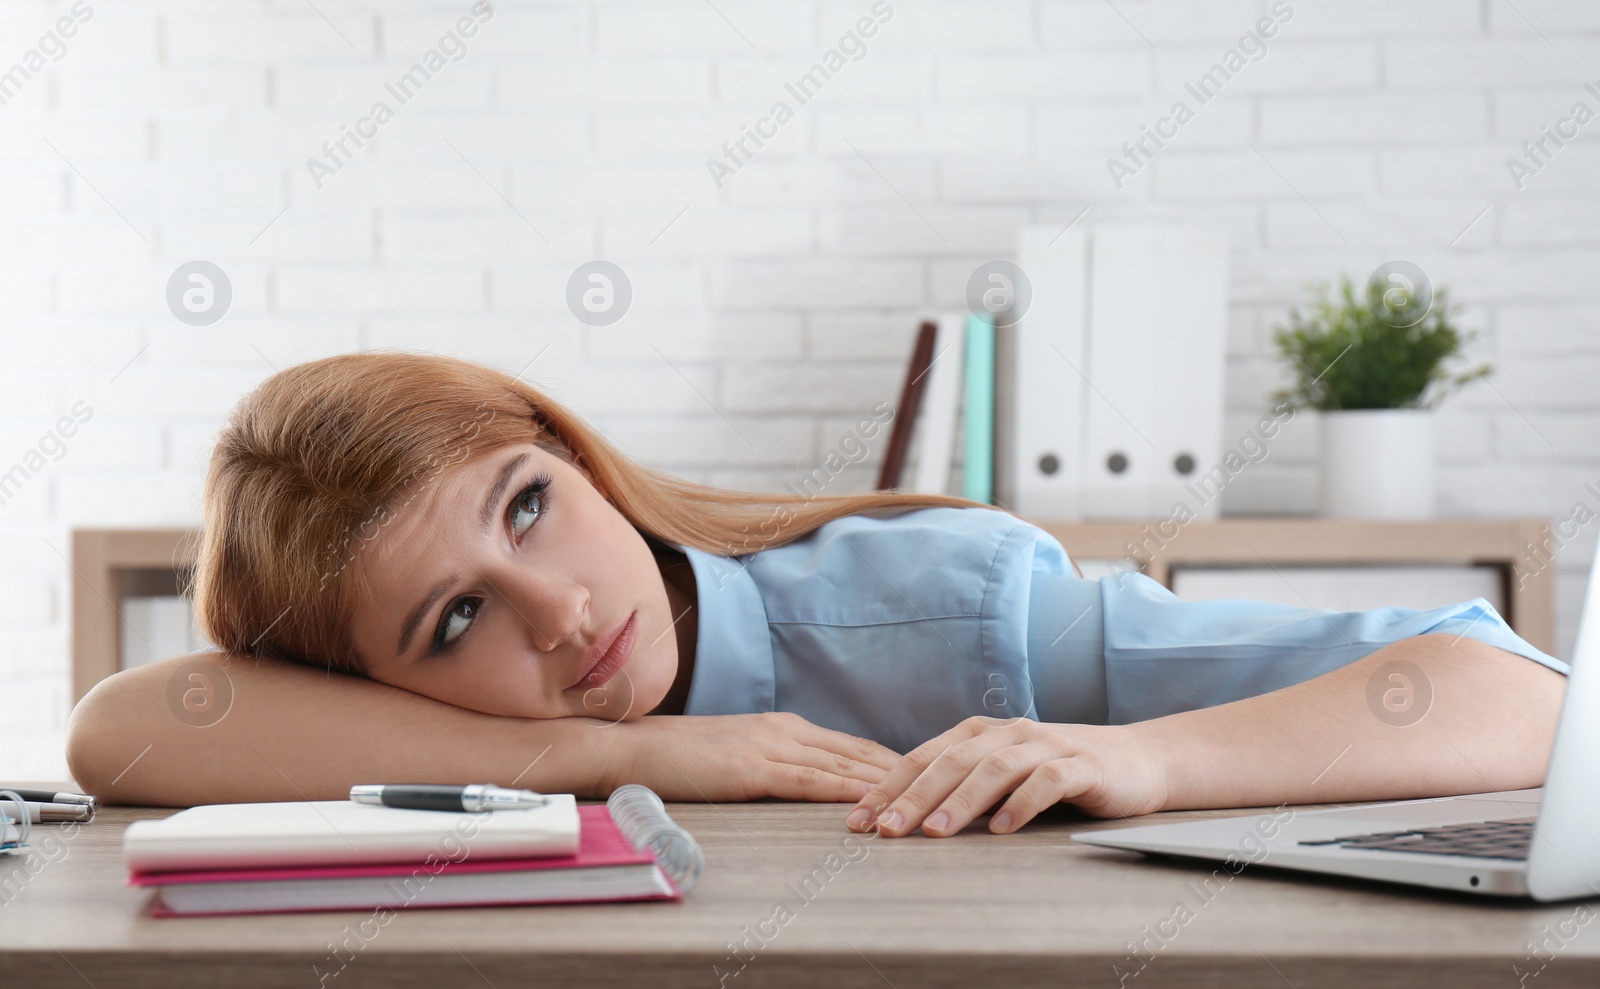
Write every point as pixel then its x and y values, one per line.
pixel 342 832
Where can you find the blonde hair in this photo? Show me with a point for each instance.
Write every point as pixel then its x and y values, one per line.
pixel 318 457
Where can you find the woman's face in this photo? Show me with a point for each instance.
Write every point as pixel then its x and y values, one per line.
pixel 488 593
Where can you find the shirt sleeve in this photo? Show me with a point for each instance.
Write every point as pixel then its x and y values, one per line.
pixel 1161 655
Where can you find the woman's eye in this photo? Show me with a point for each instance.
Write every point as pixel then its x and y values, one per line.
pixel 456 622
pixel 523 514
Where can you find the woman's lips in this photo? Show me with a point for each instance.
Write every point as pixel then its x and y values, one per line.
pixel 613 660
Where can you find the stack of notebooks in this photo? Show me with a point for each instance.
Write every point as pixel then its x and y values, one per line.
pixel 341 855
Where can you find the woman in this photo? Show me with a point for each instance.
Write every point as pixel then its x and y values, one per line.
pixel 381 518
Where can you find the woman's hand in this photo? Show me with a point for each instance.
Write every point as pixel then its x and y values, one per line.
pixel 942 784
pixel 732 757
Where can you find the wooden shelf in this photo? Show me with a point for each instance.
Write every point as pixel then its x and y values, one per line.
pixel 111 564
pixel 1156 549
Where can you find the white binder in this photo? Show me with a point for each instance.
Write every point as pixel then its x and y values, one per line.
pixel 1049 387
pixel 1119 379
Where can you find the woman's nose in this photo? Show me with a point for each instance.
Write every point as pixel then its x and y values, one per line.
pixel 553 607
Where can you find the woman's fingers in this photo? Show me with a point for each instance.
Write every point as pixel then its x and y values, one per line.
pixel 1104 770
pixel 1051 783
pixel 877 756
pixel 794 782
pixel 1033 771
pixel 933 770
pixel 842 765
pixel 915 764
pixel 808 762
pixel 818 756
pixel 1034 780
pixel 960 784
pixel 863 750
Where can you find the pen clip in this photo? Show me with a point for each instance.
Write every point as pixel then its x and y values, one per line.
pixel 491 797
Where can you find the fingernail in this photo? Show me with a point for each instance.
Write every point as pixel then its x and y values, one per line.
pixel 890 820
pixel 857 819
pixel 1001 821
pixel 937 821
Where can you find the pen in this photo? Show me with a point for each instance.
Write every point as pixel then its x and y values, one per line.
pixel 40 812
pixel 427 796
pixel 51 796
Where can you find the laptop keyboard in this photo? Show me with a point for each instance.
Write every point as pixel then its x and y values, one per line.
pixel 1478 839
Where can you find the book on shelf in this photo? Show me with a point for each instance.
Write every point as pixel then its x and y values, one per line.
pixel 910 403
pixel 977 471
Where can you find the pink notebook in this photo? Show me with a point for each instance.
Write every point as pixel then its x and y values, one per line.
pixel 607 867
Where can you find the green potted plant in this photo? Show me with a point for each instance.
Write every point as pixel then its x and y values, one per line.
pixel 1373 364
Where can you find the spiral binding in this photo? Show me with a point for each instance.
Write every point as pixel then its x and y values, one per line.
pixel 23 825
pixel 642 818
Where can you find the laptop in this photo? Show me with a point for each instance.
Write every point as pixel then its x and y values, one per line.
pixel 1538 843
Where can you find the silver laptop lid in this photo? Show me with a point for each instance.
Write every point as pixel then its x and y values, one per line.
pixel 1564 860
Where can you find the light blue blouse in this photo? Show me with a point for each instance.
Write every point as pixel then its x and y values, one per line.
pixel 897 626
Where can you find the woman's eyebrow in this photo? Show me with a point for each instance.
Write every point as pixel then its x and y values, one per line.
pixel 501 482
pixel 415 618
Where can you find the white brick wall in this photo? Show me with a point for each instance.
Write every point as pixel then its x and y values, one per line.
pixel 172 130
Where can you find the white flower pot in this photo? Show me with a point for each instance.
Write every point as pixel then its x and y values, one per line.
pixel 1377 464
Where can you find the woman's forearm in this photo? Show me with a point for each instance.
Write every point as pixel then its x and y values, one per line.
pixel 294 733
pixel 1487 724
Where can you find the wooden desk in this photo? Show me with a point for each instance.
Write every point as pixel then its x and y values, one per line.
pixel 1026 909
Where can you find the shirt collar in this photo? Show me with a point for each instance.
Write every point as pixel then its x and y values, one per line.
pixel 733 666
